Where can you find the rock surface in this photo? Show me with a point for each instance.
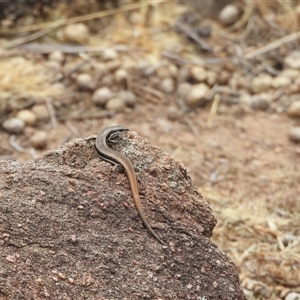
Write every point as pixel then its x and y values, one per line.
pixel 69 229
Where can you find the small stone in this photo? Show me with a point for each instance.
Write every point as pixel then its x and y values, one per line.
pixel 261 101
pixel 121 76
pixel 101 96
pixel 136 18
pixel 27 116
pixel 13 125
pixel 197 94
pixel 41 112
pixel 39 139
pixel 53 65
pixel 261 83
pixel 115 104
pixel 293 60
pixel 292 296
pixel 173 113
pixel 167 85
pixel 198 74
pixel 128 97
pixel 294 134
pixel 109 54
pixel 294 109
pixel 211 78
pixel 184 88
pixel 85 81
pixel 76 33
pixel 290 73
pixel 229 14
pixel 112 66
pixel 57 56
pixel 281 82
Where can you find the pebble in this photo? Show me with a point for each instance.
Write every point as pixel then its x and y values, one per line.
pixel 173 113
pixel 41 112
pixel 85 81
pixel 261 101
pixel 261 83
pixel 116 104
pixel 294 109
pixel 128 97
pixel 196 95
pixel 281 82
pixel 76 33
pixel 57 56
pixel 101 96
pixel 121 76
pixel 39 139
pixel 53 65
pixel 13 125
pixel 27 116
pixel 290 73
pixel 112 66
pixel 292 296
pixel 109 54
pixel 211 78
pixel 229 14
pixel 167 85
pixel 294 134
pixel 184 88
pixel 199 74
pixel 293 60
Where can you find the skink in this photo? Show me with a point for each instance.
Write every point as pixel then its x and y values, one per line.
pixel 115 157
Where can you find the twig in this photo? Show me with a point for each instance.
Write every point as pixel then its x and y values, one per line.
pixel 213 110
pixel 74 49
pixel 273 45
pixel 108 114
pixel 14 144
pixel 33 36
pixel 191 33
pixel 87 17
pixel 51 112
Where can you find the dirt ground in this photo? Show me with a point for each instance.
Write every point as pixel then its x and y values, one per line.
pixel 238 153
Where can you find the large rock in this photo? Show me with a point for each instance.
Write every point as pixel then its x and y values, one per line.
pixel 69 229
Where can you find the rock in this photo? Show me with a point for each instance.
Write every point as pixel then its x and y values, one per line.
pixel 292 296
pixel 85 81
pixel 167 85
pixel 261 83
pixel 294 134
pixel 116 104
pixel 63 236
pixel 57 56
pixel 173 113
pixel 101 96
pixel 109 54
pixel 261 101
pixel 128 97
pixel 184 88
pixel 196 95
pixel 39 139
pixel 294 109
pixel 199 74
pixel 121 76
pixel 290 73
pixel 281 82
pixel 13 125
pixel 229 14
pixel 76 33
pixel 293 60
pixel 27 116
pixel 41 112
pixel 211 78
